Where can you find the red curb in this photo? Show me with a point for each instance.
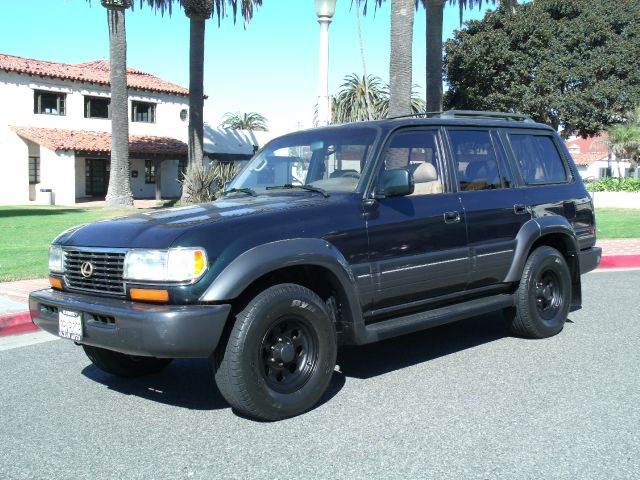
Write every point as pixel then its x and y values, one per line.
pixel 620 261
pixel 14 323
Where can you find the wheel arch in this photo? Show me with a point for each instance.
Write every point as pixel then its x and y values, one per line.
pixel 553 231
pixel 313 263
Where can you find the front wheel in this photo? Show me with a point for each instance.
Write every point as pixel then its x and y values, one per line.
pixel 543 297
pixel 280 355
pixel 123 365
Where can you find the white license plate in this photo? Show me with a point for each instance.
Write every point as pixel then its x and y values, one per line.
pixel 70 325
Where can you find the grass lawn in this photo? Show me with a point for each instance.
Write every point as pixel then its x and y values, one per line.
pixel 26 232
pixel 617 223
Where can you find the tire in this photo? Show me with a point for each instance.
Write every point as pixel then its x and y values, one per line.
pixel 543 297
pixel 123 365
pixel 280 355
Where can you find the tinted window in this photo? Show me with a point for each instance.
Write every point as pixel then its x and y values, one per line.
pixel 475 160
pixel 416 150
pixel 538 159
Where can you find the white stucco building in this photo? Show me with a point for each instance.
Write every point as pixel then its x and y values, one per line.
pixel 55 131
pixel 591 156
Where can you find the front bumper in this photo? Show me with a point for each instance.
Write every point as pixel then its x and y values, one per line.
pixel 164 331
pixel 590 259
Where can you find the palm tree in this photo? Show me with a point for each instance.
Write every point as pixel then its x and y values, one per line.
pixel 244 121
pixel 624 139
pixel 401 57
pixel 434 24
pixel 119 190
pixel 198 11
pixel 357 95
pixel 365 76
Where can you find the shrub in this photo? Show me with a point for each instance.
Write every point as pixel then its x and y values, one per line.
pixel 203 183
pixel 615 185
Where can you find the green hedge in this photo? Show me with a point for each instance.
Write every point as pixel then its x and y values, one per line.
pixel 615 185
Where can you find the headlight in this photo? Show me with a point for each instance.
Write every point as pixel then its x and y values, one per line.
pixel 173 265
pixel 56 259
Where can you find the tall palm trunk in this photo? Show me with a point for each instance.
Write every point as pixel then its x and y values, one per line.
pixel 119 191
pixel 435 18
pixel 198 12
pixel 400 79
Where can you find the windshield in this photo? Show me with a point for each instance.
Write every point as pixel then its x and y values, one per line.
pixel 327 159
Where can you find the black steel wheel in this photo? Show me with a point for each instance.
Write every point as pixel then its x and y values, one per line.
pixel 289 354
pixel 543 297
pixel 280 354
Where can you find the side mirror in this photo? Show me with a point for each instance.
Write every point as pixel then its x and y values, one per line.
pixel 396 182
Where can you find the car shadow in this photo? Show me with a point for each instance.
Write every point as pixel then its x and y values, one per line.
pixel 189 383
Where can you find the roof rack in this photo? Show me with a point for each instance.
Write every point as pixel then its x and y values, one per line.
pixel 516 117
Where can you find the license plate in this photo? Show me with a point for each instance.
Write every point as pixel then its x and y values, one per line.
pixel 70 325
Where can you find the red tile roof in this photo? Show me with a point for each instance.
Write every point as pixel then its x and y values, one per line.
pixel 96 71
pixel 99 142
pixel 586 151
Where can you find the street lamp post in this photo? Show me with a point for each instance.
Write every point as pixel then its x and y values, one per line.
pixel 325 9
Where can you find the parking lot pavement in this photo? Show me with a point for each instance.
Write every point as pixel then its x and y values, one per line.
pixel 461 401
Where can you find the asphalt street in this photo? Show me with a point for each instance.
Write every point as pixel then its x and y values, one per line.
pixel 464 401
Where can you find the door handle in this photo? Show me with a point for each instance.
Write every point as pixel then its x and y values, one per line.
pixel 451 217
pixel 520 209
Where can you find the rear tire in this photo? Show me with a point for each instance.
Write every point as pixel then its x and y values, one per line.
pixel 280 355
pixel 543 297
pixel 123 365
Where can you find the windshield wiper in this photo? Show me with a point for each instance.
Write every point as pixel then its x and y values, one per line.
pixel 248 191
pixel 308 188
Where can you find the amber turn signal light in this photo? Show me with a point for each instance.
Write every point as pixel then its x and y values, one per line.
pixel 149 295
pixel 55 283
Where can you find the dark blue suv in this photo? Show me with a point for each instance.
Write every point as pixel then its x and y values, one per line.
pixel 340 235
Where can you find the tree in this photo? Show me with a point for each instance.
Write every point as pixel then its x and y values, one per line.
pixel 571 64
pixel 198 11
pixel 244 121
pixel 624 138
pixel 365 99
pixel 119 189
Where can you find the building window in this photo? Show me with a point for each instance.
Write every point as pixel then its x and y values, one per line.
pixel 97 107
pixel 49 103
pixel 34 170
pixel 183 163
pixel 183 114
pixel 605 172
pixel 149 171
pixel 143 112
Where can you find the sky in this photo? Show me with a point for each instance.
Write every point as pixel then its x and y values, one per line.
pixel 269 67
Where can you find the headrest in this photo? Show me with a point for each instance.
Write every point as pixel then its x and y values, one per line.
pixel 425 172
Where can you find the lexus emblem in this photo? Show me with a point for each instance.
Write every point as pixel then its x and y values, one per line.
pixel 86 269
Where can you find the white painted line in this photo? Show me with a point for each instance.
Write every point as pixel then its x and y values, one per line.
pixel 25 339
pixel 609 270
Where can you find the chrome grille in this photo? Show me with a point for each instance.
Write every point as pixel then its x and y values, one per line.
pixel 106 276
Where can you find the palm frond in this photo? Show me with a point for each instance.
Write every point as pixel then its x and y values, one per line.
pixel 244 121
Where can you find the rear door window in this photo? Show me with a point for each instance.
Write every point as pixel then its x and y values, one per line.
pixel 538 158
pixel 475 160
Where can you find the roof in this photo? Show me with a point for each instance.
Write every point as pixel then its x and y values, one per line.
pixel 57 139
pixel 586 151
pixel 96 71
pixel 229 141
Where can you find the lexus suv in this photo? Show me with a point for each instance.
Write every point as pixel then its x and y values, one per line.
pixel 344 235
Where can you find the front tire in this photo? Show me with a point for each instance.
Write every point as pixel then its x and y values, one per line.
pixel 543 297
pixel 280 355
pixel 123 365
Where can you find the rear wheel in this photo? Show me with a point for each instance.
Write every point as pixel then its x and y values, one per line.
pixel 280 355
pixel 543 297
pixel 123 365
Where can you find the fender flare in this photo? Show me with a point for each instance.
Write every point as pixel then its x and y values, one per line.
pixel 531 231
pixel 263 259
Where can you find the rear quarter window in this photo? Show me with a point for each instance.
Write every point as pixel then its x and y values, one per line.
pixel 538 159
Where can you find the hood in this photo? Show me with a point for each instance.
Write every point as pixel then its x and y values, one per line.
pixel 161 228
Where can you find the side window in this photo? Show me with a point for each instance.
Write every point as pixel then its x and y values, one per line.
pixel 417 151
pixel 538 159
pixel 475 160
